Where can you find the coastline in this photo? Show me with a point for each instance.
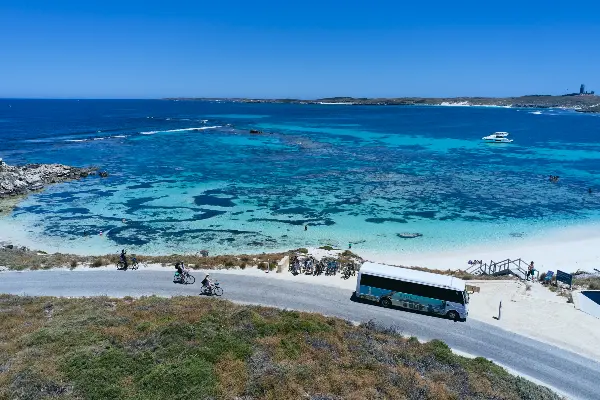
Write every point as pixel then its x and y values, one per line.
pixel 568 248
pixel 587 103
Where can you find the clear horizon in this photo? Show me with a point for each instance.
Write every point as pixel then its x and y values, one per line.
pixel 139 50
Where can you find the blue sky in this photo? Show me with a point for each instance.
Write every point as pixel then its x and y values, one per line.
pixel 307 49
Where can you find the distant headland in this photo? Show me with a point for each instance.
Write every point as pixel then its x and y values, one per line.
pixel 586 102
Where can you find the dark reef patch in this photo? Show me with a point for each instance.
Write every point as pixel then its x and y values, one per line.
pixel 382 220
pixel 297 222
pixel 420 214
pixel 143 185
pixel 75 210
pixel 295 210
pixel 209 200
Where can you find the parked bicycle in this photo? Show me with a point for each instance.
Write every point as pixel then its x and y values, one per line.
pixel 349 270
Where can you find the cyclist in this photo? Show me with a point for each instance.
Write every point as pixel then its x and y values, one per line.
pixel 180 269
pixel 207 283
pixel 124 258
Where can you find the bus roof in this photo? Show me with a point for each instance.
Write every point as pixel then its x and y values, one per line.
pixel 412 275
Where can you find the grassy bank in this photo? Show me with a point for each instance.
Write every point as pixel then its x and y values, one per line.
pixel 589 283
pixel 21 259
pixel 190 347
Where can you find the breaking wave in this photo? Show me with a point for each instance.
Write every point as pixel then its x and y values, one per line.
pixel 202 128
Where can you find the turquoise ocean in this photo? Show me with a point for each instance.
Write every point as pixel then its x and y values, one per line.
pixel 188 175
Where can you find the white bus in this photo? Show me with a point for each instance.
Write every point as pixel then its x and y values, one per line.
pixel 412 289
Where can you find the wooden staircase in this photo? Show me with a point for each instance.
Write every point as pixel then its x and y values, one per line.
pixel 516 268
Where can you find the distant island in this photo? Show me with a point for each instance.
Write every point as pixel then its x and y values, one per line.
pixel 587 103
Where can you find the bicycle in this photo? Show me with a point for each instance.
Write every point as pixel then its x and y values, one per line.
pixel 135 263
pixel 185 279
pixel 213 289
pixel 121 265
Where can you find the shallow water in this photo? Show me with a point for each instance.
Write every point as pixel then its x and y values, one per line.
pixel 186 176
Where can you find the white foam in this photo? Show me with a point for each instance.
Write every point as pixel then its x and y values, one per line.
pixel 536 112
pixel 202 128
pixel 455 103
pixel 96 138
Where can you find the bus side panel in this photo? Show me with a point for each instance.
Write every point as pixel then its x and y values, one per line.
pixel 403 300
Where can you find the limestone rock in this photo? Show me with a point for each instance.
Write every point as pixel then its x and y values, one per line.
pixel 19 180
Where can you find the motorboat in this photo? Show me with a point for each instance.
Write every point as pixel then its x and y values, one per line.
pixel 498 137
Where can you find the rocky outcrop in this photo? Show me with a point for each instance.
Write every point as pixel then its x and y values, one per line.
pixel 21 180
pixel 409 235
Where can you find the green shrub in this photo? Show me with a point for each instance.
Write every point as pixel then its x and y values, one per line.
pixel 290 347
pixel 98 262
pixel 327 247
pixel 263 266
pixel 440 350
pixel 243 266
pixel 73 264
pixel 191 376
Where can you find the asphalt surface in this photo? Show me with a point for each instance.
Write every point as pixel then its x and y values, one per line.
pixel 576 376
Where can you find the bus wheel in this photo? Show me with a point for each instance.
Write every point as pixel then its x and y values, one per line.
pixel 453 315
pixel 385 302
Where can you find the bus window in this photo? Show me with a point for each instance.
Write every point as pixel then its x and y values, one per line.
pixel 416 289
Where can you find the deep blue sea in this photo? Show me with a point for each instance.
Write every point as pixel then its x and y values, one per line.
pixel 188 175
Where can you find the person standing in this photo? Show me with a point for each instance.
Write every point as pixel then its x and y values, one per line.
pixel 530 270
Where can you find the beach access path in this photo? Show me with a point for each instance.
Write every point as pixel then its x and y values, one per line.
pixel 562 370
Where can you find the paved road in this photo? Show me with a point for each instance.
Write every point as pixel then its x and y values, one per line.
pixel 569 373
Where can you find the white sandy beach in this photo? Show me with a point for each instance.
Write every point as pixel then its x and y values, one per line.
pixel 568 249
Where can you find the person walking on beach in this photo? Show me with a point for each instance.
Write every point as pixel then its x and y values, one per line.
pixel 530 270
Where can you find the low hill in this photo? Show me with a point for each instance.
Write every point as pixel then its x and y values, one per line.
pixel 197 348
pixel 584 103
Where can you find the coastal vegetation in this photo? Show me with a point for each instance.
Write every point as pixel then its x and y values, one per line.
pixel 192 347
pixel 21 258
pixel 589 283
